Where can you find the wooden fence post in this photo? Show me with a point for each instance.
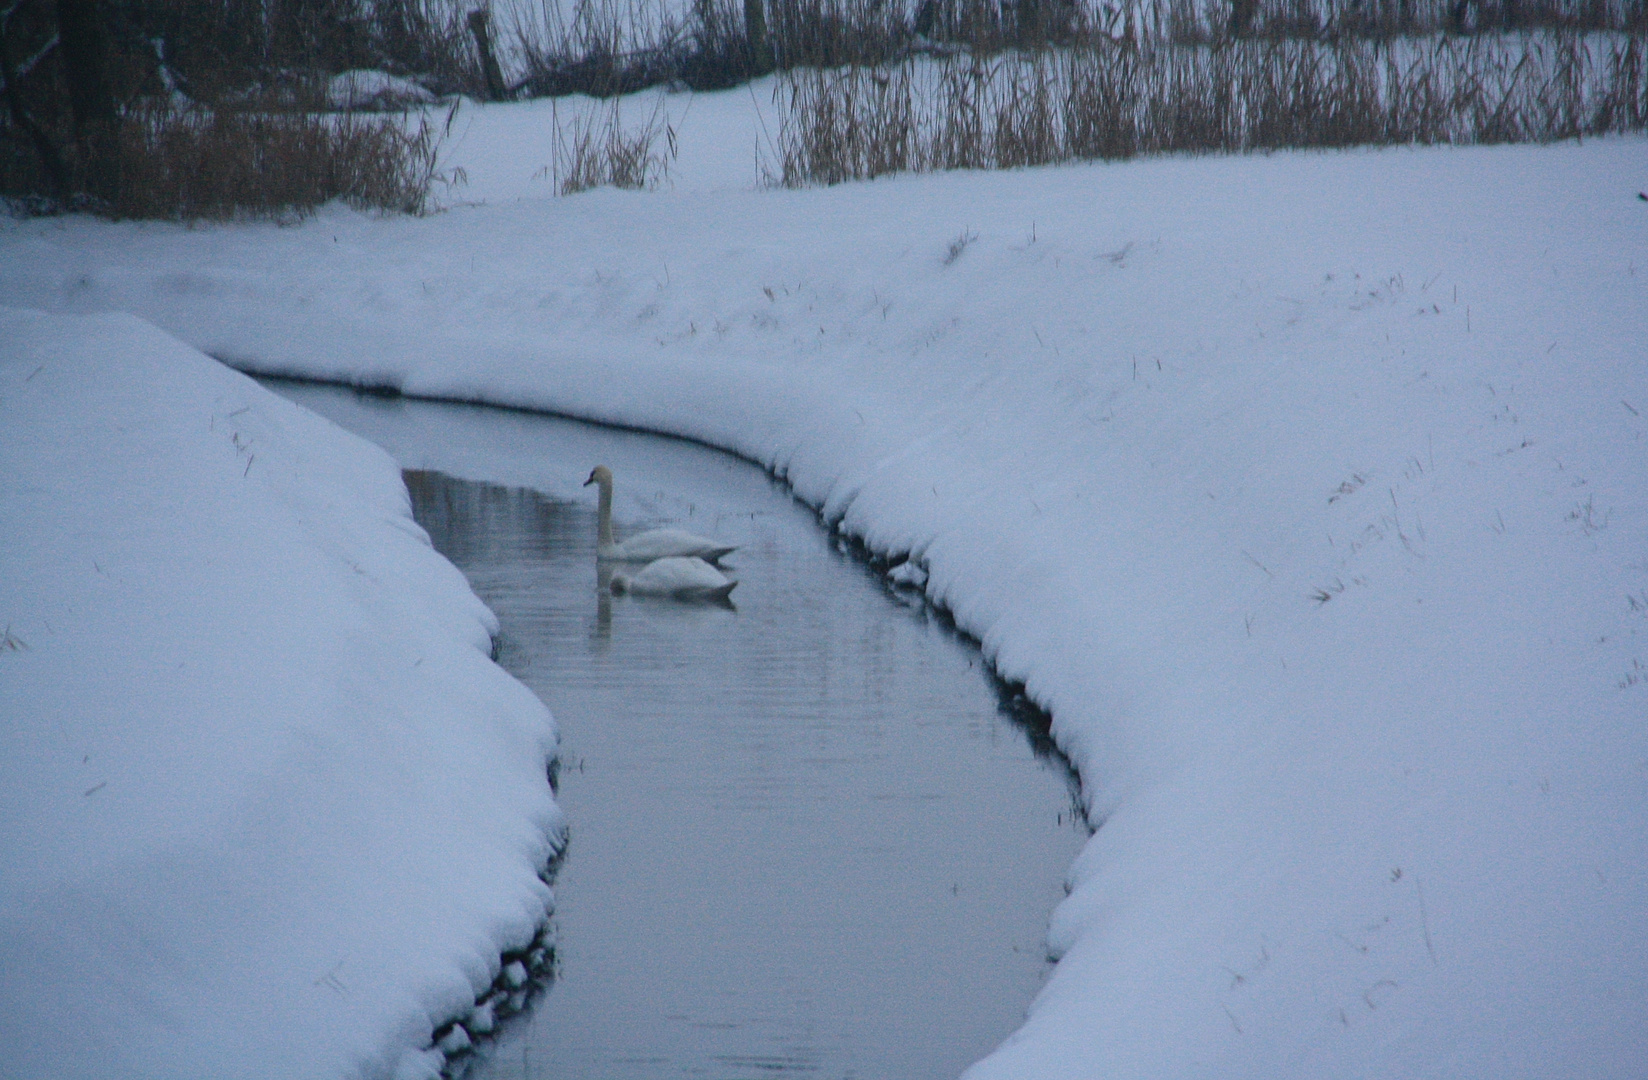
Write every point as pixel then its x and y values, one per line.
pixel 755 27
pixel 84 46
pixel 495 89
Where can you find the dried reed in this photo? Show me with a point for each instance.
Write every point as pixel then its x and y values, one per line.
pixel 596 150
pixel 1118 100
pixel 197 163
pixel 610 47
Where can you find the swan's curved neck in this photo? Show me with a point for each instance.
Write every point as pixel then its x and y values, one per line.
pixel 604 537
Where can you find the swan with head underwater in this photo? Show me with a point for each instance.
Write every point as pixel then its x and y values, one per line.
pixel 678 577
pixel 648 546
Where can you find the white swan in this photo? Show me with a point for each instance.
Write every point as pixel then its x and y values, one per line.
pixel 678 577
pixel 647 546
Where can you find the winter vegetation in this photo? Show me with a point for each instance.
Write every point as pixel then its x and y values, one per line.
pixel 1117 101
pixel 1301 488
pixel 205 109
pixel 212 108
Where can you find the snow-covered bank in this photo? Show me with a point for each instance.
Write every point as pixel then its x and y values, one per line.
pixel 1306 491
pixel 266 806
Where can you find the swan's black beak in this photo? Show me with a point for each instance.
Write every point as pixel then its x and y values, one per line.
pixel 590 481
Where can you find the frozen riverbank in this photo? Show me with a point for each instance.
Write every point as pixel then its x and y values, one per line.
pixel 1305 491
pixel 805 839
pixel 269 809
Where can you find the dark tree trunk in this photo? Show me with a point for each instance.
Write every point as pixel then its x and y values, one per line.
pixel 755 29
pixel 85 48
pixel 51 159
pixel 495 89
pixel 85 61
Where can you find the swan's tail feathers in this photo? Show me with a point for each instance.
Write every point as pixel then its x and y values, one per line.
pixel 715 555
pixel 724 592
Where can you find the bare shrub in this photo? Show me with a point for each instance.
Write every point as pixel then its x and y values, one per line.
pixel 186 95
pixel 1190 22
pixel 829 33
pixel 605 48
pixel 610 47
pixel 216 50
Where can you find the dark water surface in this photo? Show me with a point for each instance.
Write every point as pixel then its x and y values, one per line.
pixel 805 840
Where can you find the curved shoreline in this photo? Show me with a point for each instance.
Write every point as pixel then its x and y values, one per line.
pixel 1034 716
pixel 525 974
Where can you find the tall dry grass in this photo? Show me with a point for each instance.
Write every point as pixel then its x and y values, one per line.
pixel 868 86
pixel 1204 21
pixel 210 108
pixel 595 149
pixel 610 47
pixel 1120 100
pixel 192 164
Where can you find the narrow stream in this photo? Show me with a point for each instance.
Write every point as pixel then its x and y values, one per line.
pixel 806 838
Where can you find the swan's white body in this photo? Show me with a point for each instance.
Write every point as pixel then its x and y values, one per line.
pixel 663 544
pixel 648 546
pixel 678 577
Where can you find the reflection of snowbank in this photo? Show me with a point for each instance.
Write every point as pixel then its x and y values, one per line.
pixel 268 808
pixel 1304 490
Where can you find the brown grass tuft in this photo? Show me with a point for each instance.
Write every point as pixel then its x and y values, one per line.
pixel 596 150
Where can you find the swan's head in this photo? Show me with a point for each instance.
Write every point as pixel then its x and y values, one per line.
pixel 599 475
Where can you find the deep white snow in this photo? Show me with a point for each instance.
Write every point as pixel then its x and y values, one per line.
pixel 1306 490
pixel 269 809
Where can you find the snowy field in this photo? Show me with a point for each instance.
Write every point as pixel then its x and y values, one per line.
pixel 1306 491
